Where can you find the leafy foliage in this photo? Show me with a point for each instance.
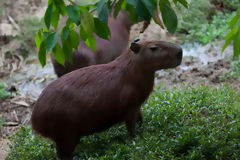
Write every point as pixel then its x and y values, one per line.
pixel 203 27
pixel 166 13
pixel 195 15
pixel 24 146
pixel 80 17
pixel 234 34
pixel 193 123
pixel 195 24
pixel 216 29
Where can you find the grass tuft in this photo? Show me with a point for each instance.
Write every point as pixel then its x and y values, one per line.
pixel 3 93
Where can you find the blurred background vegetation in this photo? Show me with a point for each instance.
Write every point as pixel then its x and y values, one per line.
pixel 206 20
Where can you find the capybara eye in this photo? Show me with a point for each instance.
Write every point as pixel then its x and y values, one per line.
pixel 136 40
pixel 153 48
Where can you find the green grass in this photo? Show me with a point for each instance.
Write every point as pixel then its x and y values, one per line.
pixel 190 124
pixel 3 93
pixel 233 72
pixel 2 121
pixel 25 146
pixel 216 29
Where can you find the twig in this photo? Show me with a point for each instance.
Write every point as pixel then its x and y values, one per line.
pixel 10 124
pixel 145 25
pixel 13 22
pixel 157 15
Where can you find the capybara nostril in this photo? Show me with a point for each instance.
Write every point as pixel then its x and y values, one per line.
pixel 179 54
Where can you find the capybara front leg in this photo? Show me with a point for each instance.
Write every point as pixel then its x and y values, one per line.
pixel 131 123
pixel 65 147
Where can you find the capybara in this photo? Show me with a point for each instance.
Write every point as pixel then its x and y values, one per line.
pixel 107 50
pixel 94 98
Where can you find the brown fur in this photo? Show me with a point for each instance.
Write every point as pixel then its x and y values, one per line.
pixel 107 50
pixel 94 98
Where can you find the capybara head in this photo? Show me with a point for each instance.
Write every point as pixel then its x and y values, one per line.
pixel 155 55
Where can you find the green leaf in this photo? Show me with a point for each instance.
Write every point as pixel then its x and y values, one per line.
pixel 232 33
pixel 42 54
pixel 91 42
pixel 150 5
pixel 184 3
pixel 39 38
pixel 102 11
pixel 61 7
pixel 73 39
pixel 236 46
pixel 46 34
pixel 238 12
pixel 132 2
pixel 67 50
pixel 49 2
pixel 100 4
pixel 169 17
pixel 73 13
pixel 87 22
pixel 227 42
pixel 132 11
pixel 230 37
pixel 64 33
pixel 142 11
pixel 87 2
pixel 69 21
pixel 58 54
pixel 83 34
pixel 109 5
pixel 55 18
pixel 102 29
pixel 48 15
pixel 234 22
pixel 51 41
pixel 117 8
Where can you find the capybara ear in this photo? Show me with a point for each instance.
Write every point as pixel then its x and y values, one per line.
pixel 135 47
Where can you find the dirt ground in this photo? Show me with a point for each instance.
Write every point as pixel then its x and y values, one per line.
pixel 17 109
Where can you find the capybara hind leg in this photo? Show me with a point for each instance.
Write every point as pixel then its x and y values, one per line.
pixel 65 147
pixel 140 117
pixel 131 123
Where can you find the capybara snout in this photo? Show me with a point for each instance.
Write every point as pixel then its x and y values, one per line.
pixel 94 98
pixel 160 54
